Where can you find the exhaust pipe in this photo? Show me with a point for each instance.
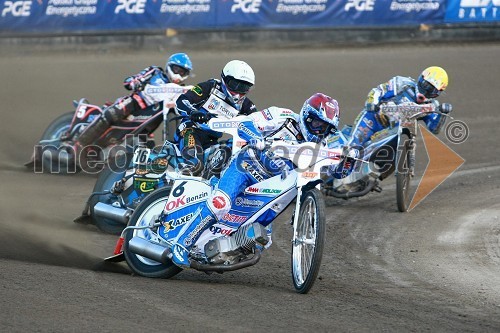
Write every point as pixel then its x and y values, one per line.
pixel 150 250
pixel 112 212
pixel 370 187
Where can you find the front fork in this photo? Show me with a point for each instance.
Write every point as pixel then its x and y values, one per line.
pixel 412 146
pixel 295 217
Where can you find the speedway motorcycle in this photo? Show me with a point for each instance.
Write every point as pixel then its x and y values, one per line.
pixel 53 152
pixel 121 187
pixel 238 239
pixel 389 151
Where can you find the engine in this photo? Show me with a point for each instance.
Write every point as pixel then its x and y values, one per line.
pixel 241 243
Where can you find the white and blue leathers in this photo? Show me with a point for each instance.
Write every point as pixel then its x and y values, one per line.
pixel 248 167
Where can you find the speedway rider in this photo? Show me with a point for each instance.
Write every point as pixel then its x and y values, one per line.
pixel 225 97
pixel 177 70
pixel 398 90
pixel 318 118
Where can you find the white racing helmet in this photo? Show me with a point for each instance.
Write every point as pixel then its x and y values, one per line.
pixel 237 80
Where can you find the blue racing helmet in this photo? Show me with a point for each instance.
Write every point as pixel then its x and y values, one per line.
pixel 178 67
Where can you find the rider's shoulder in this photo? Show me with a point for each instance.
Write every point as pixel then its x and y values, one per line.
pixel 275 112
pixel 248 106
pixel 399 83
pixel 403 80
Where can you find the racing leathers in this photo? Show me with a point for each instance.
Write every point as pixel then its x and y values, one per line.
pixel 123 107
pixel 248 167
pixel 193 135
pixel 397 90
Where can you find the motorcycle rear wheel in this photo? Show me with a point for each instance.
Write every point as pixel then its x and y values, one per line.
pixel 150 207
pixel 105 181
pixel 307 249
pixel 403 176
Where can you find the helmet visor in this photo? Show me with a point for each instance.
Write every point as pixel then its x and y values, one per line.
pixel 237 86
pixel 179 70
pixel 428 89
pixel 317 126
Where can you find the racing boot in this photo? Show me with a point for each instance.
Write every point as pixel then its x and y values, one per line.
pixel 189 234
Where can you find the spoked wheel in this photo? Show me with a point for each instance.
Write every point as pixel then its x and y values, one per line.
pixel 309 240
pixel 147 210
pixel 53 158
pixel 403 176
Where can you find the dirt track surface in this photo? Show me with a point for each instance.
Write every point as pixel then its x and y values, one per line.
pixel 436 268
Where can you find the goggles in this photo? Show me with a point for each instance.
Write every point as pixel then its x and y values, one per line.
pixel 179 70
pixel 237 86
pixel 426 88
pixel 318 126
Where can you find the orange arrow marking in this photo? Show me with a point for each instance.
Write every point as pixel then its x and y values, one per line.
pixel 443 161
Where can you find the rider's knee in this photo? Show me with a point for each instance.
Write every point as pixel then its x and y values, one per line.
pixel 219 203
pixel 120 110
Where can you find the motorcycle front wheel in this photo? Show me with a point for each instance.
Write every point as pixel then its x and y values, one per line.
pixel 309 241
pixel 50 141
pixel 145 212
pixel 403 176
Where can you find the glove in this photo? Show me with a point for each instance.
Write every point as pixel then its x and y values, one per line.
pixel 350 152
pixel 199 117
pixel 134 84
pixel 257 144
pixel 446 108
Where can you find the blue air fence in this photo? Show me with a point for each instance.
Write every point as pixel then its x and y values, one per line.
pixel 69 17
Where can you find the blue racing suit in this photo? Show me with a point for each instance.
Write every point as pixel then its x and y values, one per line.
pixel 398 90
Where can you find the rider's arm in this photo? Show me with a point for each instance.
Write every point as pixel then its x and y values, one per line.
pixel 193 99
pixel 435 121
pixel 248 107
pixel 137 82
pixel 271 119
pixel 386 91
pixel 249 132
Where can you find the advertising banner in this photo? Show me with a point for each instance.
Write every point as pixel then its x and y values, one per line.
pixel 472 11
pixel 80 16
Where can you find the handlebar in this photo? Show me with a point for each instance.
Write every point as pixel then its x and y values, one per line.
pixel 410 111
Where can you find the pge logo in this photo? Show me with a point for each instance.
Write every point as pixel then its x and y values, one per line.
pixel 131 6
pixel 359 5
pixel 246 6
pixel 17 8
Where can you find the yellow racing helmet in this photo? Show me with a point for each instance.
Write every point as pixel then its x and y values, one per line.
pixel 432 81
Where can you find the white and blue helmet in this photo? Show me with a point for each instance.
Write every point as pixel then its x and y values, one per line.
pixel 178 67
